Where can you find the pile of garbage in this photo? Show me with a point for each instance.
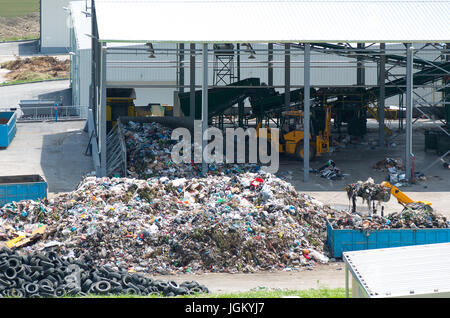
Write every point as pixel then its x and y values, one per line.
pixel 36 68
pixel 410 218
pixel 48 275
pixel 245 222
pixel 149 148
pixel 369 191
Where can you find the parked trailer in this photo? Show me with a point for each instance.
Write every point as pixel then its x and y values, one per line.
pixel 346 240
pixel 22 187
pixel 7 128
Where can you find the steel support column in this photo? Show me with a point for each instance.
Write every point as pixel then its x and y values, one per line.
pixel 270 65
pixel 381 98
pixel 409 110
pixel 287 74
pixel 102 106
pixel 181 68
pixel 306 110
pixel 192 82
pixel 240 104
pixel 347 285
pixel 204 105
pixel 360 69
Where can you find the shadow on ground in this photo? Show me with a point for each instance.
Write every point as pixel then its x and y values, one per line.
pixel 63 161
pixel 64 96
pixel 28 48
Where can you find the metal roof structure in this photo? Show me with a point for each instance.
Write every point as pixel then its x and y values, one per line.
pixel 390 21
pixel 81 19
pixel 402 271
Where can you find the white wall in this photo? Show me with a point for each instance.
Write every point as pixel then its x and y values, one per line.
pixel 55 26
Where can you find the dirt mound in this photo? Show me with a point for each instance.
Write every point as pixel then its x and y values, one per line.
pixel 20 27
pixel 36 68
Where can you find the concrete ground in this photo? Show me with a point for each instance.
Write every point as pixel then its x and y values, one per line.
pixel 326 276
pixel 52 150
pixel 356 162
pixel 9 50
pixel 48 90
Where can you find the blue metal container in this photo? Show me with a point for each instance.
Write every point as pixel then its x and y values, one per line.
pixel 340 241
pixel 8 130
pixel 26 187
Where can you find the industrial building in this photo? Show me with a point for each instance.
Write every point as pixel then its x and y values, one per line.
pixel 344 83
pixel 54 26
pixel 290 54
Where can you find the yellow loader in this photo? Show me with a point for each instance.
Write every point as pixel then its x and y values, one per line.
pixel 292 134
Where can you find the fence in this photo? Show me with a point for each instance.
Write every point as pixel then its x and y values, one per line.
pixel 49 113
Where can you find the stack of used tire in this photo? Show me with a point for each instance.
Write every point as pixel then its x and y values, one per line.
pixel 48 275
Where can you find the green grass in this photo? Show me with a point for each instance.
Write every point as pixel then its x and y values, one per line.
pixel 32 81
pixel 17 38
pixel 311 293
pixel 321 292
pixel 18 8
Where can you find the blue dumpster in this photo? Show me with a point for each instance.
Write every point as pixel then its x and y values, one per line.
pixel 7 128
pixel 25 187
pixel 340 241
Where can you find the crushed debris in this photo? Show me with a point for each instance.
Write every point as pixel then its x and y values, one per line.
pixel 369 191
pixel 36 68
pixel 241 223
pixel 149 155
pixel 411 217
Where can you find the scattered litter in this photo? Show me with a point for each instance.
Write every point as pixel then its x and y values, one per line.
pixel 329 171
pixel 396 169
pixel 389 163
pixel 445 164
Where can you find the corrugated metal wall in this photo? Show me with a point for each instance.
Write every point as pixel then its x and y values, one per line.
pixel 134 67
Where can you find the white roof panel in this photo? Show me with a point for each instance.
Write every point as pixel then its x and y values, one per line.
pixel 83 28
pixel 273 21
pixel 402 271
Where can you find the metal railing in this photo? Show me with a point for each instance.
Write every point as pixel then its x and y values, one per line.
pixel 116 161
pixel 49 113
